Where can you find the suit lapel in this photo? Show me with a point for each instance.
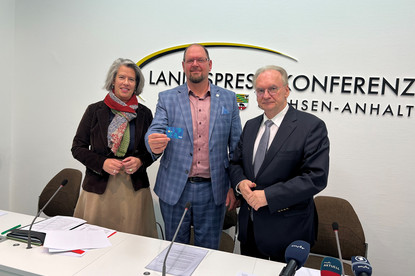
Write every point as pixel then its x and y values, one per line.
pixel 214 107
pixel 287 127
pixel 184 103
pixel 103 122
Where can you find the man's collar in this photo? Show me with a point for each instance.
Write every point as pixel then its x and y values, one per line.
pixel 207 94
pixel 277 120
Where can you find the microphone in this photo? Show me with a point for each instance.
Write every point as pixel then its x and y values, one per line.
pixel 335 226
pixel 174 237
pixel 361 266
pixel 29 236
pixel 330 267
pixel 296 255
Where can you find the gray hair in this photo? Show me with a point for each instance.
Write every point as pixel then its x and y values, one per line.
pixel 112 73
pixel 282 71
pixel 204 48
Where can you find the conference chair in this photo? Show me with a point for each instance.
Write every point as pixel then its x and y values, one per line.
pixel 227 241
pixel 350 232
pixel 65 200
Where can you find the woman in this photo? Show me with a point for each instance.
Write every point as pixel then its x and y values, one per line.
pixel 110 143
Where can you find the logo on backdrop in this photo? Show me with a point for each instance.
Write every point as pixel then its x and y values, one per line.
pixel 242 100
pixel 348 95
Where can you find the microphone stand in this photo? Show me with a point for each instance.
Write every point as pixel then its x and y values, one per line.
pixel 174 238
pixel 335 226
pixel 29 236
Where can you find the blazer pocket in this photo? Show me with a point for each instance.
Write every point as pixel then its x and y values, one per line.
pixel 225 111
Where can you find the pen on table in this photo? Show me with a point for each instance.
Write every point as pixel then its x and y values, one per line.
pixel 8 230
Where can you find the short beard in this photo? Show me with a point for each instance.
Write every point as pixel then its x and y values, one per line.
pixel 197 79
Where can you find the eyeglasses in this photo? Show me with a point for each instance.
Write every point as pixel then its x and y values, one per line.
pixel 198 61
pixel 271 90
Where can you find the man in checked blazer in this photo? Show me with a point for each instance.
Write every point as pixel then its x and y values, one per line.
pixel 277 205
pixel 195 128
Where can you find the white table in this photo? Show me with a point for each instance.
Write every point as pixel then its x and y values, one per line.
pixel 128 255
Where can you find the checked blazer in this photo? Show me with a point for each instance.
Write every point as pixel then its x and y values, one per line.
pixel 173 110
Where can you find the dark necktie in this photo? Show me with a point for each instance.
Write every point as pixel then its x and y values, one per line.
pixel 262 147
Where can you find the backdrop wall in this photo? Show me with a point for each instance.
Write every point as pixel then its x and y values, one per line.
pixel 56 55
pixel 7 31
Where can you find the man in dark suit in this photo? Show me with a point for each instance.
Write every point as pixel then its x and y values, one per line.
pixel 277 205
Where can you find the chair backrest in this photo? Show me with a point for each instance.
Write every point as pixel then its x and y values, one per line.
pixel 227 240
pixel 231 219
pixel 351 235
pixel 65 201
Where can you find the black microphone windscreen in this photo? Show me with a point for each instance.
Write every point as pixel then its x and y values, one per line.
pixel 361 265
pixel 298 251
pixel 64 182
pixel 188 205
pixel 335 226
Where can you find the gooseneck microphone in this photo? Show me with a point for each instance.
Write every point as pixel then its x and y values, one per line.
pixel 296 255
pixel 330 267
pixel 29 237
pixel 174 237
pixel 361 266
pixel 335 226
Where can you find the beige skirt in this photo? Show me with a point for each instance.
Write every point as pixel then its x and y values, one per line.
pixel 119 208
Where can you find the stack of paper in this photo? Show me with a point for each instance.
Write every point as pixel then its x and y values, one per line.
pixel 69 234
pixel 63 241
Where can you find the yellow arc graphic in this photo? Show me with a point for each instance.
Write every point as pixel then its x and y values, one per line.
pixel 146 60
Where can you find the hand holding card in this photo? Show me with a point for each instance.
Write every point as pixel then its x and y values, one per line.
pixel 158 142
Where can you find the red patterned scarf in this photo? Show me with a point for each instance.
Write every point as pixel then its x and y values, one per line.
pixel 119 130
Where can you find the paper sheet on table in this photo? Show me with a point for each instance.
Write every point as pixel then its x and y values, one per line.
pixel 56 223
pixel 70 240
pixel 182 260
pixel 301 272
pixel 71 253
pixel 2 213
pixel 305 271
pixel 89 227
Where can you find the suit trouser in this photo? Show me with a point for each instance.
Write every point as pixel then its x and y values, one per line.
pixel 249 248
pixel 204 215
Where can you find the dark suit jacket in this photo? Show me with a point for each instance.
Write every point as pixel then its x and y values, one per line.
pixel 294 170
pixel 90 146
